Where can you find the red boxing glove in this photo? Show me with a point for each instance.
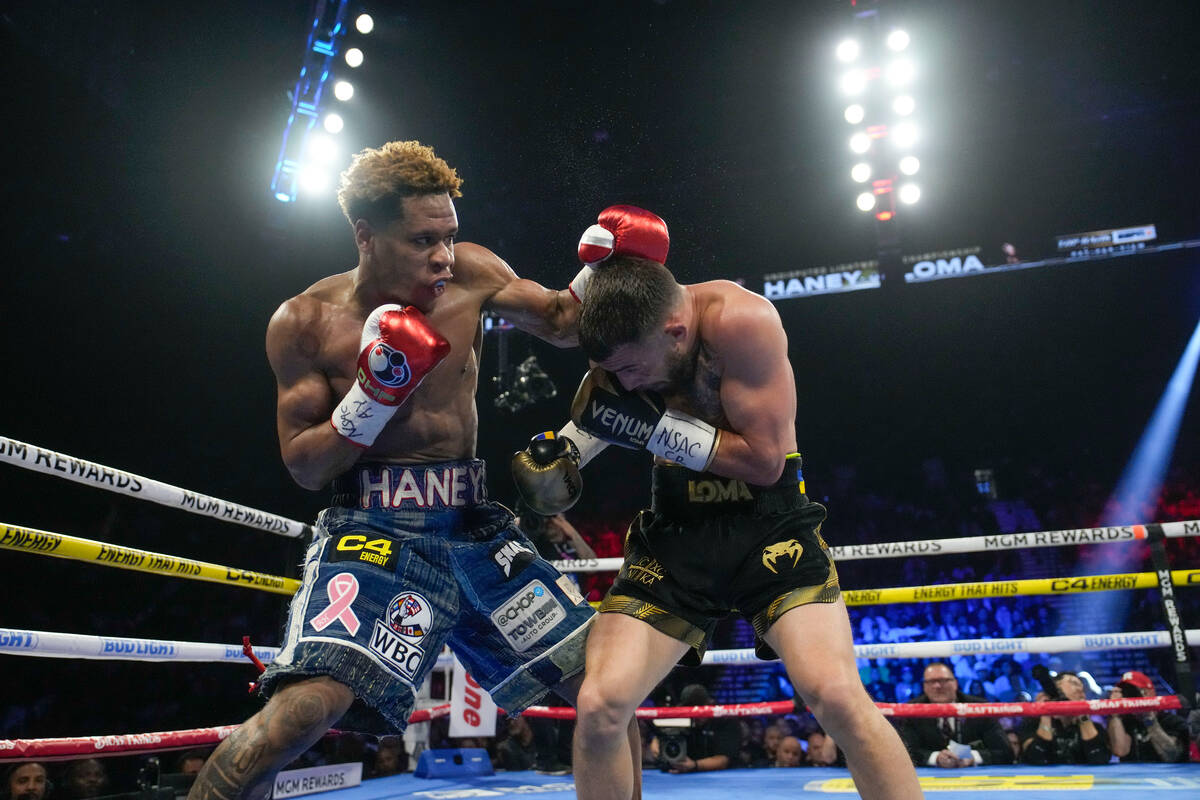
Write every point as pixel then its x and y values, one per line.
pixel 399 348
pixel 620 231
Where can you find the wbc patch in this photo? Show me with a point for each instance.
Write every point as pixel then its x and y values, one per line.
pixel 512 557
pixel 396 639
pixel 527 616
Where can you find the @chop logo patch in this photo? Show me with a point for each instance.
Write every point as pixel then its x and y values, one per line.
pixel 528 615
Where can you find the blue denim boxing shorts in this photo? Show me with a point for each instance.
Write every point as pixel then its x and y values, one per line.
pixel 413 557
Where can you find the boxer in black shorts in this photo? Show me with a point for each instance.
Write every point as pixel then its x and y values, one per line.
pixel 699 376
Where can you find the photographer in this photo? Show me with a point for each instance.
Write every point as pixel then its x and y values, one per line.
pixel 1152 736
pixel 703 746
pixel 1063 740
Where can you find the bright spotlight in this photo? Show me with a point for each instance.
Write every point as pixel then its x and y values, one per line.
pixel 847 51
pixel 860 143
pixel 904 105
pixel 313 180
pixel 866 201
pixel 364 23
pixel 900 72
pixel 910 193
pixel 909 165
pixel 343 90
pixel 334 123
pixel 854 114
pixel 897 40
pixel 904 135
pixel 861 172
pixel 854 81
pixel 322 149
pixel 354 57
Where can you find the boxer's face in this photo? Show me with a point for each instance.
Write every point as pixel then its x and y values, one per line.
pixel 413 256
pixel 654 363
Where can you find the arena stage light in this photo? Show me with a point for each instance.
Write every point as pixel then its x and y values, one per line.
pixel 904 135
pixel 854 114
pixel 866 201
pixel 343 90
pixel 861 172
pixel 897 40
pixel 322 149
pixel 847 50
pixel 900 72
pixel 333 123
pixel 854 81
pixel 313 179
pixel 909 165
pixel 910 193
pixel 364 23
pixel 903 105
pixel 860 143
pixel 354 57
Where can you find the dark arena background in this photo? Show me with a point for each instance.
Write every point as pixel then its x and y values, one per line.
pixel 1012 352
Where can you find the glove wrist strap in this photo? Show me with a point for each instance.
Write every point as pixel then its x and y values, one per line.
pixel 578 286
pixel 359 418
pixel 589 446
pixel 685 440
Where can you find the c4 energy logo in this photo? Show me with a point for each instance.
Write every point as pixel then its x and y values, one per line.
pixel 791 549
pixel 356 547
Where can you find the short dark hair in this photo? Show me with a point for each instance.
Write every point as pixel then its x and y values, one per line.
pixel 626 297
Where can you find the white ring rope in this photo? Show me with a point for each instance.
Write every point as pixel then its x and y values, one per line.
pixel 32 457
pixel 46 644
pixel 966 544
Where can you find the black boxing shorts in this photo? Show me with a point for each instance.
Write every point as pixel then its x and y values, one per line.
pixel 710 546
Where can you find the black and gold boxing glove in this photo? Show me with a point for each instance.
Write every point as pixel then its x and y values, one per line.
pixel 547 473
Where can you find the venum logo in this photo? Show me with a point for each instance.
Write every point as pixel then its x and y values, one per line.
pixel 782 550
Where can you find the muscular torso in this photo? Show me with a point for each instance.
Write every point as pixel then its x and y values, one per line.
pixel 439 421
pixel 701 395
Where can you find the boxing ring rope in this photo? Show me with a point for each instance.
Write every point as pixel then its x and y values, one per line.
pixel 66 645
pixel 59 545
pixel 59 465
pixel 127 744
pixel 68 747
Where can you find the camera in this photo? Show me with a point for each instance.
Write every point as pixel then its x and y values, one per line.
pixel 672 741
pixel 1129 690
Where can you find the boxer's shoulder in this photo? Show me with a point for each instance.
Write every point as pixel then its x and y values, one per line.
pixel 302 324
pixel 477 268
pixel 732 318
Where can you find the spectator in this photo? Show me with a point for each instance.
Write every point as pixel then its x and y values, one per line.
pixel 84 779
pixel 25 782
pixel 1153 736
pixel 952 742
pixel 1014 742
pixel 790 754
pixel 391 757
pixel 751 752
pixel 772 736
pixel 1064 740
pixel 709 744
pixel 907 688
pixel 190 762
pixel 823 750
pixel 517 751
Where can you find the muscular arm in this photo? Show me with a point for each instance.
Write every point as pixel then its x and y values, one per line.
pixel 547 314
pixel 758 393
pixel 312 450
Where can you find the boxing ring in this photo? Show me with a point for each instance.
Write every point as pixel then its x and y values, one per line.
pixel 1180 780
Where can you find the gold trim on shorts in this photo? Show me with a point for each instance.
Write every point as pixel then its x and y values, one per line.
pixel 829 592
pixel 658 618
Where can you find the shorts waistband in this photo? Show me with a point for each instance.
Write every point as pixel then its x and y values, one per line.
pixel 434 486
pixel 677 491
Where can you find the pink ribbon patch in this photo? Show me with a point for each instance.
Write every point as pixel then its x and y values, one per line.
pixel 342 590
